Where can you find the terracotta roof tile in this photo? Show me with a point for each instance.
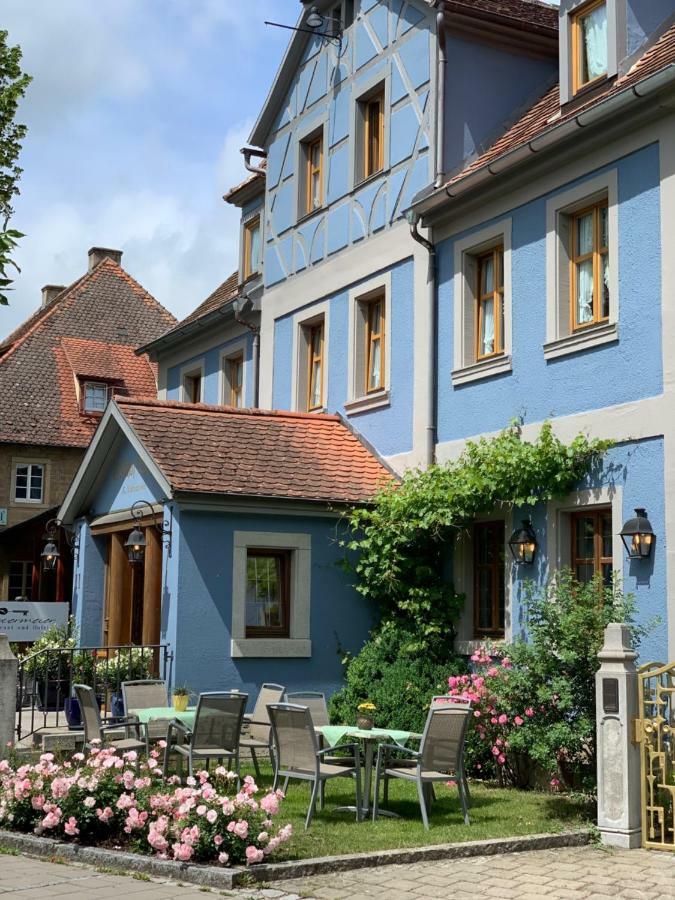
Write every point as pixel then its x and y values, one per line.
pixel 251 179
pixel 546 112
pixel 224 293
pixel 533 12
pixel 256 453
pixel 91 326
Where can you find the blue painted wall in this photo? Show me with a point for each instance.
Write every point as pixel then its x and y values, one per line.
pixel 124 480
pixel 88 586
pixel 538 389
pixel 212 367
pixel 487 88
pixel 389 40
pixel 200 604
pixel 642 18
pixel 389 429
pixel 638 470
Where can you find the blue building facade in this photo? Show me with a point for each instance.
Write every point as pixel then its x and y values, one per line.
pixel 455 217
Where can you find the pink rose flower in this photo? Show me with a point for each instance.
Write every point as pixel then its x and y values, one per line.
pixel 223 859
pixel 211 816
pixel 503 719
pixel 253 855
pixel 518 720
pixel 182 852
pixel 501 759
pixel 70 827
pixel 529 712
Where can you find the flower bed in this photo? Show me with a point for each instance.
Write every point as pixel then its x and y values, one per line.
pixel 104 799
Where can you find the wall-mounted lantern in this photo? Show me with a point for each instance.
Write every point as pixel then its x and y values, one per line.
pixel 50 552
pixel 136 542
pixel 638 535
pixel 324 27
pixel 523 544
pixel 50 555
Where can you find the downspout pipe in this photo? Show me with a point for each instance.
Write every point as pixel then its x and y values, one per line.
pixel 432 354
pixel 255 331
pixel 248 152
pixel 440 91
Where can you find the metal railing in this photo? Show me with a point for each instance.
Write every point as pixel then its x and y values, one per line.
pixel 45 681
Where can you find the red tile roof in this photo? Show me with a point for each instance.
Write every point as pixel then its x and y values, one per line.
pixel 255 177
pixel 93 325
pixel 547 114
pixel 224 293
pixel 256 453
pixel 531 12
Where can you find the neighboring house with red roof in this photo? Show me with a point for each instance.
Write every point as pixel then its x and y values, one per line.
pixel 57 372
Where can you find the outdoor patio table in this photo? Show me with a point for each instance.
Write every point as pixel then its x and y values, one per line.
pixel 151 713
pixel 333 734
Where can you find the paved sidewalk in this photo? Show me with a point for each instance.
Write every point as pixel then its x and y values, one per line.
pixel 584 873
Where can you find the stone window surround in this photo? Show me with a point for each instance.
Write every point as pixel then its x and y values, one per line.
pixel 465 369
pixel 30 461
pixel 357 399
pixel 616 30
pixel 299 644
pixel 312 128
pixel 188 371
pixel 302 320
pixel 235 348
pixel 466 643
pixel 559 340
pixel 558 537
pixel 257 213
pixel 367 86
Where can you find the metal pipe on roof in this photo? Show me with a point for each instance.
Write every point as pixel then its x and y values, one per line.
pixel 431 317
pixel 255 331
pixel 257 152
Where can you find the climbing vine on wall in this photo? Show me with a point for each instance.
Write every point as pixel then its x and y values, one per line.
pixel 401 543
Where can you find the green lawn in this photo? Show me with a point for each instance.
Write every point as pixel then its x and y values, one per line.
pixel 495 812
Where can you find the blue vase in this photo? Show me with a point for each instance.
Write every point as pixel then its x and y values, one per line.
pixel 117 705
pixel 71 707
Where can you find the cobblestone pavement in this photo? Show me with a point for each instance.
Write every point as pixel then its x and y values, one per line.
pixel 585 873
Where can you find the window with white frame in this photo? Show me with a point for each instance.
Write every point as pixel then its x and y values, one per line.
pixel 192 385
pixel 593 41
pixel 369 357
pixel 482 308
pixel 233 371
pixel 589 44
pixel 311 365
pixel 29 483
pixel 271 594
pixel 582 259
pixel 94 396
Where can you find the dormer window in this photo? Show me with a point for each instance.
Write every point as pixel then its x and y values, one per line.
pixel 94 397
pixel 589 44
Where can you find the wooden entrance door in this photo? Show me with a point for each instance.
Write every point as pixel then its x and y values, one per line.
pixel 133 592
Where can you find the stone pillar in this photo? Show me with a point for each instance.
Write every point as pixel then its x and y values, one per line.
pixel 8 671
pixel 616 704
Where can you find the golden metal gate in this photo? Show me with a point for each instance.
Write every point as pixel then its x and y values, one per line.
pixel 655 732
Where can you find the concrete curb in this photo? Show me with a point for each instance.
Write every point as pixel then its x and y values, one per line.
pixel 226 879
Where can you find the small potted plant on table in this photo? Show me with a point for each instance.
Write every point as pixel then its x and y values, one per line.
pixel 181 695
pixel 364 718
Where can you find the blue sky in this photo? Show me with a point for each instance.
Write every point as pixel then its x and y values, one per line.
pixel 136 115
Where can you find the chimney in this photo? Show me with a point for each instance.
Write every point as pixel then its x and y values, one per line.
pixel 98 254
pixel 50 292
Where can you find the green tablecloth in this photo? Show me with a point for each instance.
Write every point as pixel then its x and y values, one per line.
pixel 152 713
pixel 333 734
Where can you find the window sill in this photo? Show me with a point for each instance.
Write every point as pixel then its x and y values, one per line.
pixel 272 648
pixel 486 368
pixel 305 217
pixel 582 340
pixel 376 400
pixel 364 182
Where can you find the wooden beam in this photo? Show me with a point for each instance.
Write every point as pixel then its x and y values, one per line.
pixel 119 592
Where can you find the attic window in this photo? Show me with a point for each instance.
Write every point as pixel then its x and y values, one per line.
pixel 589 44
pixel 94 397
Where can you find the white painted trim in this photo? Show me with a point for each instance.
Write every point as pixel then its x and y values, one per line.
pixel 582 340
pixel 366 86
pixel 357 295
pixel 376 400
pixel 564 204
pixel 615 36
pixel 484 368
pixel 299 643
pixel 189 371
pixel 303 319
pixel 43 502
pixel 558 550
pixel 464 296
pixel 311 126
pixel 237 348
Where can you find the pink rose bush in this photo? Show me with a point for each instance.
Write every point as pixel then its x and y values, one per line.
pixel 104 798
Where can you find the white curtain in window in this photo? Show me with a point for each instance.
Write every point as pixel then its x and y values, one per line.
pixel 488 327
pixel 585 292
pixel 255 249
pixel 594 27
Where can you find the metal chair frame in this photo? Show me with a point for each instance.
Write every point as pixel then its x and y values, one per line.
pixel 87 699
pixel 255 722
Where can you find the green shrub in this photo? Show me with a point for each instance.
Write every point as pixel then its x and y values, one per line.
pixel 399 680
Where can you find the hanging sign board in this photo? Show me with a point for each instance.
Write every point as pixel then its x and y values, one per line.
pixel 22 620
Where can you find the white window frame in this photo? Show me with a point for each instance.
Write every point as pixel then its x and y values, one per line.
pixel 29 463
pixel 560 341
pixel 299 644
pixel 357 399
pixel 463 565
pixel 466 252
pixel 303 321
pixel 189 371
pixel 616 31
pixel 236 348
pixel 558 537
pixel 94 384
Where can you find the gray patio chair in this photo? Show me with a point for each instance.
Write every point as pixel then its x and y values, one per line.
pixel 440 757
pixel 297 754
pixel 145 694
pixel 95 728
pixel 216 731
pixel 256 737
pixel 315 702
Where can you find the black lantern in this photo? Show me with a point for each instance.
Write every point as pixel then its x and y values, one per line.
pixel 523 543
pixel 49 556
pixel 638 535
pixel 135 545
